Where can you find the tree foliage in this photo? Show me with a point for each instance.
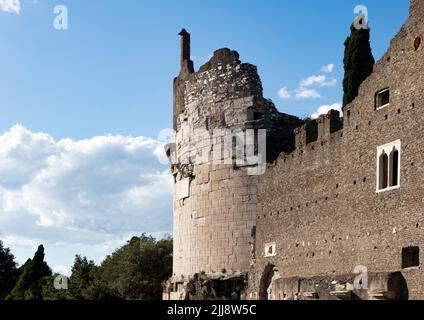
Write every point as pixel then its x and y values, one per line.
pixel 358 62
pixel 8 271
pixel 134 272
pixel 82 278
pixel 49 292
pixel 28 286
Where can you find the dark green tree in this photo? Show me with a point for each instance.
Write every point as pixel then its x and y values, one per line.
pixel 8 271
pixel 134 272
pixel 28 286
pixel 358 62
pixel 49 292
pixel 82 278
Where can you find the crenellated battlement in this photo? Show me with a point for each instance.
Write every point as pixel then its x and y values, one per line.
pixel 306 134
pixel 318 130
pixel 328 124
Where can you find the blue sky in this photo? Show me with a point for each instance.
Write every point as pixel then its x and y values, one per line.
pixel 101 92
pixel 112 71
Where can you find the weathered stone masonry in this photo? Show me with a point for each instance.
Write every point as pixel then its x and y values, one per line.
pixel 215 204
pixel 319 204
pixel 317 212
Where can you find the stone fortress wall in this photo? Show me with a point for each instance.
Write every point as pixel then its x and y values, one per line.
pixel 319 206
pixel 317 212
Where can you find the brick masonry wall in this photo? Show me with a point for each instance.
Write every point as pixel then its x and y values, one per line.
pixel 319 203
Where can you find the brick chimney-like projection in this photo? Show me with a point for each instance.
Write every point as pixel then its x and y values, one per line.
pixel 186 63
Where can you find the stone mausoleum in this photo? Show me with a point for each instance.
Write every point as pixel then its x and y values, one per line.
pixel 337 211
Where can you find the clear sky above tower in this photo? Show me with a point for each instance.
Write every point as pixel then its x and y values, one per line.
pixel 112 71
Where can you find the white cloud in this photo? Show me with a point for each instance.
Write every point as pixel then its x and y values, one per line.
pixel 329 68
pixel 10 6
pixel 320 81
pixel 62 270
pixel 307 87
pixel 80 196
pixel 325 109
pixel 13 240
pixel 284 93
pixel 304 93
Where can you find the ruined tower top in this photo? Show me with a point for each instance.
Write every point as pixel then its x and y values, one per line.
pixel 186 63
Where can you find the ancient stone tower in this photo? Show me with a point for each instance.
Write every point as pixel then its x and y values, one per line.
pixel 215 202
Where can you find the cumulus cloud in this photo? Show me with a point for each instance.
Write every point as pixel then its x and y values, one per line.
pixel 307 88
pixel 85 196
pixel 320 81
pixel 284 93
pixel 304 93
pixel 10 6
pixel 329 68
pixel 324 109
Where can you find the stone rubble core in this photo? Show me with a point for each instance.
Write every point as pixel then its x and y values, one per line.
pixel 320 209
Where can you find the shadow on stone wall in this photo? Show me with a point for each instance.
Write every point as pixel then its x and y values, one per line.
pixel 381 286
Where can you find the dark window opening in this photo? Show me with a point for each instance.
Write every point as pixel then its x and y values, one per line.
pixel 394 168
pixel 383 170
pixel 253 232
pixel 410 257
pixel 382 99
pixel 417 43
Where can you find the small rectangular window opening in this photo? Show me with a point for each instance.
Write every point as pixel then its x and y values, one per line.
pixel 410 257
pixel 270 250
pixel 382 99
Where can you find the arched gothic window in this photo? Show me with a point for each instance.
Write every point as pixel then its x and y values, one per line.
pixel 388 166
pixel 394 168
pixel 384 169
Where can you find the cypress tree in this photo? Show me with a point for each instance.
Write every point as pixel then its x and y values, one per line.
pixel 28 285
pixel 358 62
pixel 83 273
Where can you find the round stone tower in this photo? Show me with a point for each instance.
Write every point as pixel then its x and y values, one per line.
pixel 220 149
